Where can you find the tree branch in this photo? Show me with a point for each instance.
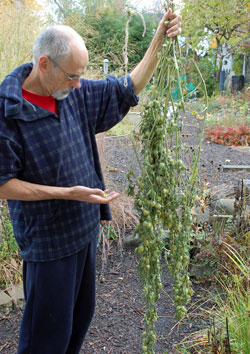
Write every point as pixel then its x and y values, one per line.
pixel 60 7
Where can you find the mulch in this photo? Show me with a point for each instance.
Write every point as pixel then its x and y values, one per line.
pixel 119 317
pixel 118 322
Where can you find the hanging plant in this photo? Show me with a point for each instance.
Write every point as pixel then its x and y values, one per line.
pixel 165 191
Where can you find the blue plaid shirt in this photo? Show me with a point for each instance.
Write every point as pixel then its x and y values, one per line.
pixel 41 147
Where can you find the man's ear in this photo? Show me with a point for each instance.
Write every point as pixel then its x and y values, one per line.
pixel 44 64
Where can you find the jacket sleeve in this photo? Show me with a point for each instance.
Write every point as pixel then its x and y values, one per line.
pixel 11 161
pixel 110 101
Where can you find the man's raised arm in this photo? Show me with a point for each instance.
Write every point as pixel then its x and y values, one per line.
pixel 143 72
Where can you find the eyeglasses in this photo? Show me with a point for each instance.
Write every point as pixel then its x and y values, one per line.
pixel 69 77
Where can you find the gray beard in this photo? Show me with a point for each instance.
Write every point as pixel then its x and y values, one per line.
pixel 61 94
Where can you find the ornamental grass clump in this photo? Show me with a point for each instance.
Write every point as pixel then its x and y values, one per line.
pixel 234 302
pixel 165 191
pixel 229 315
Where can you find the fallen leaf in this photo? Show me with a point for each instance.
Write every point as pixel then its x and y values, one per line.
pixel 113 169
pixel 193 212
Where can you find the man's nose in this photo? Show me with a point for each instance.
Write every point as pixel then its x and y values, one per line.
pixel 76 83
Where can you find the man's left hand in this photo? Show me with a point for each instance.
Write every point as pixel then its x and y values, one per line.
pixel 173 28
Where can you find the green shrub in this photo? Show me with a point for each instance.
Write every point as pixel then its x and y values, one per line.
pixel 238 64
pixel 208 71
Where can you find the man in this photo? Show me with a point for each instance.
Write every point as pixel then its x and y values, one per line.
pixel 51 175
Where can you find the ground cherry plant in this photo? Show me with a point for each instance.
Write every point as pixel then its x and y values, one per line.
pixel 165 191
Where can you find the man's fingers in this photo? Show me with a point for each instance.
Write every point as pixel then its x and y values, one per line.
pixel 174 26
pixel 102 198
pixel 93 195
pixel 98 192
pixel 174 31
pixel 111 196
pixel 168 13
pixel 175 21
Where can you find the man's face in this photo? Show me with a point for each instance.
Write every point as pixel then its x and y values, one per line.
pixel 65 74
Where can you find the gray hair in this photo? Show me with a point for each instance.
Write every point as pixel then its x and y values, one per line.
pixel 55 42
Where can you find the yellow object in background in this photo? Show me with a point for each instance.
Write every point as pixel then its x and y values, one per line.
pixel 213 44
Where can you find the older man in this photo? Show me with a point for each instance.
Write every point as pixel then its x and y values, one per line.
pixel 51 175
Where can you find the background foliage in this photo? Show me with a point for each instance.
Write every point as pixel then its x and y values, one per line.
pixel 19 27
pixel 102 26
pixel 227 21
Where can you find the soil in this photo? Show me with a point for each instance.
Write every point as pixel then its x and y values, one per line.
pixel 118 322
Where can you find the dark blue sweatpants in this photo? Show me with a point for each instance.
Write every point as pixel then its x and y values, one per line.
pixel 60 302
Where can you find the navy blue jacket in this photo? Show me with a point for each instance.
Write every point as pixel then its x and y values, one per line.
pixel 41 147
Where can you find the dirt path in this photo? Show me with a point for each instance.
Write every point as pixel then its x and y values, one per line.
pixel 118 321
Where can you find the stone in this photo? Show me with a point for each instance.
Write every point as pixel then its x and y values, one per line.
pixel 224 206
pixel 199 271
pixel 133 241
pixel 222 191
pixel 6 303
pixel 17 296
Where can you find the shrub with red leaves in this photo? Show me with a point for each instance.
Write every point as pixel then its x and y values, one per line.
pixel 237 136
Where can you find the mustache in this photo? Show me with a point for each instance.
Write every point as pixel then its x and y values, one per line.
pixel 66 91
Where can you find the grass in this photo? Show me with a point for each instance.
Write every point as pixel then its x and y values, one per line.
pixel 226 110
pixel 10 260
pixel 236 308
pixel 229 329
pixel 126 126
pixel 18 28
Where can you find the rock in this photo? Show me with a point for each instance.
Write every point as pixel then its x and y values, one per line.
pixel 222 191
pixel 17 296
pixel 6 303
pixel 133 241
pixel 224 206
pixel 199 271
